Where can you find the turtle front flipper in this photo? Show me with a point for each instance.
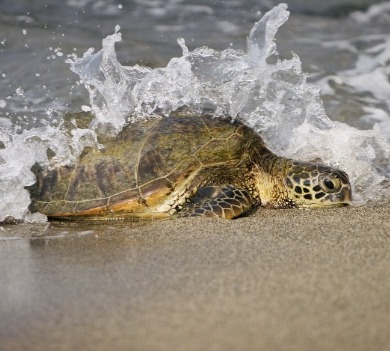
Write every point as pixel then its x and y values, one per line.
pixel 217 201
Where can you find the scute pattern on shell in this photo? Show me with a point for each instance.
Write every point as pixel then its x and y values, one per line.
pixel 149 164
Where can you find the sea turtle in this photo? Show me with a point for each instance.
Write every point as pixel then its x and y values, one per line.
pixel 183 165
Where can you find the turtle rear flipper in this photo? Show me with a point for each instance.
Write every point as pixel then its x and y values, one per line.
pixel 218 201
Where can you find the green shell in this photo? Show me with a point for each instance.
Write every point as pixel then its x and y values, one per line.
pixel 148 169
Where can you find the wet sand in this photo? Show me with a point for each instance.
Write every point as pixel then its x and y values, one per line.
pixel 278 280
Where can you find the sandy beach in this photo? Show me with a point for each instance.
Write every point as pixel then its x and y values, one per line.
pixel 277 280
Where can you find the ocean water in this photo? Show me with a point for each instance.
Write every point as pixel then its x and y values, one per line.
pixel 311 78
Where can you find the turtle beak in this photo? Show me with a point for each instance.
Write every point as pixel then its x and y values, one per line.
pixel 343 197
pixel 346 192
pixel 346 195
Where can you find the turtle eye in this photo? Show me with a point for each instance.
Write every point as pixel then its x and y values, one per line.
pixel 330 184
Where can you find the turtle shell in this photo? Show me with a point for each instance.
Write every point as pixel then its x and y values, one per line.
pixel 146 170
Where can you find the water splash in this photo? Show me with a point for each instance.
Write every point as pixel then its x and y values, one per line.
pixel 49 146
pixel 269 94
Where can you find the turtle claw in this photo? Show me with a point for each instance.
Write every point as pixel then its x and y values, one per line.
pixel 217 201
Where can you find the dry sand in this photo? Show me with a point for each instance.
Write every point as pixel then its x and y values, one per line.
pixel 278 280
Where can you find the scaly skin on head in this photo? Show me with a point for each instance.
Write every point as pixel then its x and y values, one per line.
pixel 285 183
pixel 316 185
pixel 278 182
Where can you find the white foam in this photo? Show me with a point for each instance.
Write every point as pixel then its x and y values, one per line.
pixel 22 150
pixel 379 13
pixel 106 7
pixel 368 82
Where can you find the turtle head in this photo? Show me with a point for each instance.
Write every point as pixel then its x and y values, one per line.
pixel 312 185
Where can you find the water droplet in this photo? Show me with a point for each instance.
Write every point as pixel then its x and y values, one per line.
pixel 183 46
pixel 85 108
pixel 19 91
